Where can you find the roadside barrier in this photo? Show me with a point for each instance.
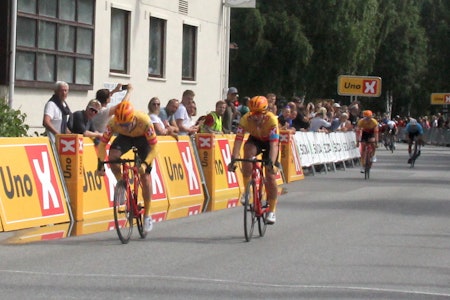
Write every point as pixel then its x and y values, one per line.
pixel 47 184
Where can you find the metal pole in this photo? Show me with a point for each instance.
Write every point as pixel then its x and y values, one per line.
pixel 12 62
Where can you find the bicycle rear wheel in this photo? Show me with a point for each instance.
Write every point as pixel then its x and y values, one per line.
pixel 414 156
pixel 123 214
pixel 249 211
pixel 367 163
pixel 262 224
pixel 140 221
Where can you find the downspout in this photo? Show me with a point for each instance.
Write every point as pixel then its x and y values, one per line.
pixel 12 61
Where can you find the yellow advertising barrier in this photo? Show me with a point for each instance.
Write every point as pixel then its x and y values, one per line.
pixel 182 178
pixel 290 157
pixel 32 193
pixel 70 150
pixel 37 234
pixel 215 155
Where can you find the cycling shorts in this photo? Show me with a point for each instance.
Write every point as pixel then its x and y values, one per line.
pixel 124 143
pixel 411 135
pixel 261 147
pixel 366 136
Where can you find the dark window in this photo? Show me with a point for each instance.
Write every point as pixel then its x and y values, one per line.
pixel 118 62
pixel 189 52
pixel 55 42
pixel 157 47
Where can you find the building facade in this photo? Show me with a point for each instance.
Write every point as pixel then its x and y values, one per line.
pixel 162 47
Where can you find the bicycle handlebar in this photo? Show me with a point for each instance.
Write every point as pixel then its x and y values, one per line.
pixel 253 160
pixel 119 161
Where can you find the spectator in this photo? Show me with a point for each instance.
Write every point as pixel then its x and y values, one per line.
pixel 57 112
pixel 213 120
pixel 81 121
pixel 284 120
pixel 243 108
pixel 182 117
pixel 167 113
pixel 154 107
pixel 300 121
pixel 230 112
pixel 318 123
pixel 344 123
pixel 106 112
pixel 272 99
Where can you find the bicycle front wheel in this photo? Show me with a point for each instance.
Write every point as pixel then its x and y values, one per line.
pixel 249 211
pixel 414 156
pixel 123 214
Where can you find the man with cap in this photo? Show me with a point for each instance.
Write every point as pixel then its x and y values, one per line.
pixel 230 112
pixel 81 120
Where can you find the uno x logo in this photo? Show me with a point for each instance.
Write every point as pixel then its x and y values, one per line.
pixel 370 87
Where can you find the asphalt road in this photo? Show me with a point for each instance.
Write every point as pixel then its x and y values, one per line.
pixel 337 236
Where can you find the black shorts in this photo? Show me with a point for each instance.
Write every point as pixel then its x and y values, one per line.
pixel 124 143
pixel 366 136
pixel 411 135
pixel 261 147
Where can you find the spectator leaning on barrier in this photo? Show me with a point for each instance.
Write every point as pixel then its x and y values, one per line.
pixel 154 107
pixel 105 113
pixel 318 123
pixel 213 120
pixel 81 120
pixel 230 112
pixel 182 117
pixel 57 112
pixel 132 129
pixel 344 123
pixel 263 130
pixel 272 99
pixel 167 114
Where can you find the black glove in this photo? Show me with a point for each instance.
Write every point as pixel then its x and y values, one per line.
pixel 231 166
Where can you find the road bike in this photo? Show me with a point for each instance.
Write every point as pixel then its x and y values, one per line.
pixel 127 206
pixel 415 151
pixel 389 141
pixel 368 150
pixel 255 208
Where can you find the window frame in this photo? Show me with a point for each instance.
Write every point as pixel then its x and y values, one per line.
pixel 57 54
pixel 193 55
pixel 162 47
pixel 126 42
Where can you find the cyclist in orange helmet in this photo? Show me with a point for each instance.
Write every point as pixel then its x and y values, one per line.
pixel 133 128
pixel 262 126
pixel 367 132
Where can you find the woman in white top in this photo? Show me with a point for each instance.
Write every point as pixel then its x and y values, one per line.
pixel 154 106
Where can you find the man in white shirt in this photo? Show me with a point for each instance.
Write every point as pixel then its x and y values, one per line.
pixel 57 112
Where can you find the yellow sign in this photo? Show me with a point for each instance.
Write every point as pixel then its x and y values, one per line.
pixel 440 98
pixel 367 86
pixel 31 192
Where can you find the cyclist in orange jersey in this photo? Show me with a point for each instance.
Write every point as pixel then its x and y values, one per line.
pixel 366 131
pixel 262 126
pixel 134 128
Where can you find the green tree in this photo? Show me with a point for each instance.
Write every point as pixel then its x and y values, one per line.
pixel 12 122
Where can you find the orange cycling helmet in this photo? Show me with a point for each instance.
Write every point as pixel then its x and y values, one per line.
pixel 124 112
pixel 258 104
pixel 367 113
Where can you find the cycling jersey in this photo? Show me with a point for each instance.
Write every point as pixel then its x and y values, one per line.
pixel 414 129
pixel 368 126
pixel 143 129
pixel 267 131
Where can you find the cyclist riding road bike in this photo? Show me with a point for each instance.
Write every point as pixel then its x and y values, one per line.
pixel 262 126
pixel 413 129
pixel 133 128
pixel 366 132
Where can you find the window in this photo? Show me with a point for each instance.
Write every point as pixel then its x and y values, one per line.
pixel 119 41
pixel 157 47
pixel 55 42
pixel 189 52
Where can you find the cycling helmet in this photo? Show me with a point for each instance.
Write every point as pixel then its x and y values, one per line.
pixel 124 113
pixel 258 104
pixel 413 121
pixel 367 113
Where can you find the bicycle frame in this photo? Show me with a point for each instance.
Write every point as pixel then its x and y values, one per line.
pixel 368 150
pixel 128 209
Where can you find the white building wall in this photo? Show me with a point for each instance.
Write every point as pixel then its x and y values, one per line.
pixel 210 16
